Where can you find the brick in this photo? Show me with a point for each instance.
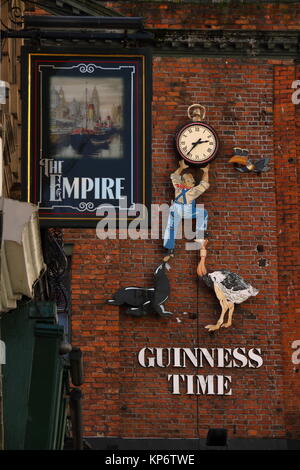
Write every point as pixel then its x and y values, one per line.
pixel 245 210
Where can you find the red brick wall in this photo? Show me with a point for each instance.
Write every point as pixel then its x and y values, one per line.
pixel 123 399
pixel 249 103
pixel 213 15
pixel 286 158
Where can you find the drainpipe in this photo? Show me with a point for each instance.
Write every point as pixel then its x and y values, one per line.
pixel 76 413
pixel 76 372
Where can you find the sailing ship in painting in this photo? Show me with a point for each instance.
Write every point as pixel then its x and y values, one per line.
pixel 79 127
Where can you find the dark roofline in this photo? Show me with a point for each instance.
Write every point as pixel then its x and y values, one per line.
pixel 83 22
pixel 75 8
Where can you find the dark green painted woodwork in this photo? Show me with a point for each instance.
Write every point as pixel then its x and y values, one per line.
pixel 33 385
pixel 18 335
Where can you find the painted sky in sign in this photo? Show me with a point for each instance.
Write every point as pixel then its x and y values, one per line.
pixel 110 90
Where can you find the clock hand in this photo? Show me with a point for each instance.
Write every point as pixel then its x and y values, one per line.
pixel 194 144
pixel 201 142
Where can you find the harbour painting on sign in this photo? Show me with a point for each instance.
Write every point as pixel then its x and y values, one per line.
pixel 86 117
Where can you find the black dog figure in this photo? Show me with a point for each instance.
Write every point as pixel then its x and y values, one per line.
pixel 142 300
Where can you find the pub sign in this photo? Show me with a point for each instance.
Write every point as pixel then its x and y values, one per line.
pixel 86 134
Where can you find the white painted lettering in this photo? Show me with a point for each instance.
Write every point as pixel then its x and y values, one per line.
pixel 255 357
pixel 69 189
pixel 241 357
pixel 107 185
pixel 142 359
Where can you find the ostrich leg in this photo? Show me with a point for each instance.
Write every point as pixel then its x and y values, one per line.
pixel 225 306
pixel 230 313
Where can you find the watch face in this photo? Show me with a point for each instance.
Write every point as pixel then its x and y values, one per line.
pixel 197 142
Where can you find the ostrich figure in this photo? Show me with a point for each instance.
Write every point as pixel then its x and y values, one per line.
pixel 229 288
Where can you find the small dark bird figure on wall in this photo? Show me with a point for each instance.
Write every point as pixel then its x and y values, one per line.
pixel 243 164
pixel 229 288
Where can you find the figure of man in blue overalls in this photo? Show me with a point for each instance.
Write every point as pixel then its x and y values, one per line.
pixel 184 205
